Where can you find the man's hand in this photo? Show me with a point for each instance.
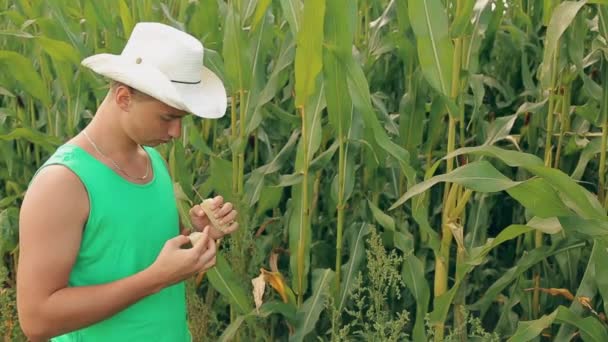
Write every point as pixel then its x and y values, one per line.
pixel 175 264
pixel 224 212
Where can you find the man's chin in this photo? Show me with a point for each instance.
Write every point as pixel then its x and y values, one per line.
pixel 155 143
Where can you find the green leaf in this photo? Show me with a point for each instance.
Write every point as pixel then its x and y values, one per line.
pixel 482 12
pixel 49 143
pixel 215 63
pixel 9 233
pixel 356 247
pixel 586 287
pixel 590 111
pixel 230 331
pixel 283 61
pixel 308 315
pixel 21 69
pixel 500 128
pixel 299 237
pixel 270 197
pixel 314 113
pixel 217 180
pixel 528 330
pixel 323 158
pixel 420 212
pixel 436 124
pixel 385 220
pixel 589 151
pixel 259 51
pixel 530 259
pixel 538 196
pixel 479 91
pixel 590 328
pixel 224 280
pixel 178 167
pixel 477 254
pixel 309 50
pixel 479 176
pixel 338 38
pixel 16 33
pixel 292 11
pixel 260 11
pixel 550 225
pixel 126 18
pixel 430 24
pixel 411 114
pixel 562 17
pixel 289 180
pixel 574 196
pixel 265 310
pixel 599 262
pixel 474 257
pixel 59 50
pixel 236 53
pixel 510 157
pixel 602 16
pixel 593 228
pixel 359 92
pixel 255 182
pixel 463 20
pixel 413 273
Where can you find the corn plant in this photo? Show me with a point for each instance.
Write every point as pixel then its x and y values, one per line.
pixel 403 169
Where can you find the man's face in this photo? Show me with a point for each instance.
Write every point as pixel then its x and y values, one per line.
pixel 151 122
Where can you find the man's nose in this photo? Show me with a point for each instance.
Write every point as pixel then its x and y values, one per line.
pixel 175 128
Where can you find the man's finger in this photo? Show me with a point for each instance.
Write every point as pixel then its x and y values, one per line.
pixel 179 240
pixel 209 254
pixel 228 220
pixel 201 244
pixel 225 210
pixel 218 201
pixel 197 211
pixel 210 264
pixel 232 228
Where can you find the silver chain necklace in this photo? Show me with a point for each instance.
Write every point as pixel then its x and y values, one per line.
pixel 115 164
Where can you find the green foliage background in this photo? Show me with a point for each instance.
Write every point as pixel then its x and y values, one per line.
pixel 410 170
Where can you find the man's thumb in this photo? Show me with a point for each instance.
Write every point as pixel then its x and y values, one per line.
pixel 180 240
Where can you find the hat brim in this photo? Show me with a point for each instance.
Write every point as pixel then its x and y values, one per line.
pixel 206 99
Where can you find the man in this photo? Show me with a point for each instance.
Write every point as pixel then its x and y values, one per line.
pixel 101 254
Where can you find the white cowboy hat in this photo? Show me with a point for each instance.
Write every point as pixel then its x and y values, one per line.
pixel 167 64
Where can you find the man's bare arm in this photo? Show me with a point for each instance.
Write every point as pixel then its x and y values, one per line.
pixel 52 217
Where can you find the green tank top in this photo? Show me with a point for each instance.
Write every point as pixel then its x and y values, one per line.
pixel 127 227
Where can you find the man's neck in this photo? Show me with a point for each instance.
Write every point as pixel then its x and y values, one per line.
pixel 107 134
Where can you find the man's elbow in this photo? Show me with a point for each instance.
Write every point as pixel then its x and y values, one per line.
pixel 34 326
pixel 36 336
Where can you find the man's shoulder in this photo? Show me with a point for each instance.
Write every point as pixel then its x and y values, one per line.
pixel 57 189
pixel 57 174
pixel 58 177
pixel 57 166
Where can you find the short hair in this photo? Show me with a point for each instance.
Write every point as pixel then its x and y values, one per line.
pixel 136 93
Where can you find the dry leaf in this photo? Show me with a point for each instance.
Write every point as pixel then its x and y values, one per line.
pixel 274 261
pixel 275 279
pixel 586 302
pixel 556 292
pixel 259 285
pixel 458 233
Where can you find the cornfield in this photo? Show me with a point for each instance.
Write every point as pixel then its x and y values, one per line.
pixel 403 169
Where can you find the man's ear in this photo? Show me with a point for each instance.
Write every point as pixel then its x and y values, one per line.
pixel 123 97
